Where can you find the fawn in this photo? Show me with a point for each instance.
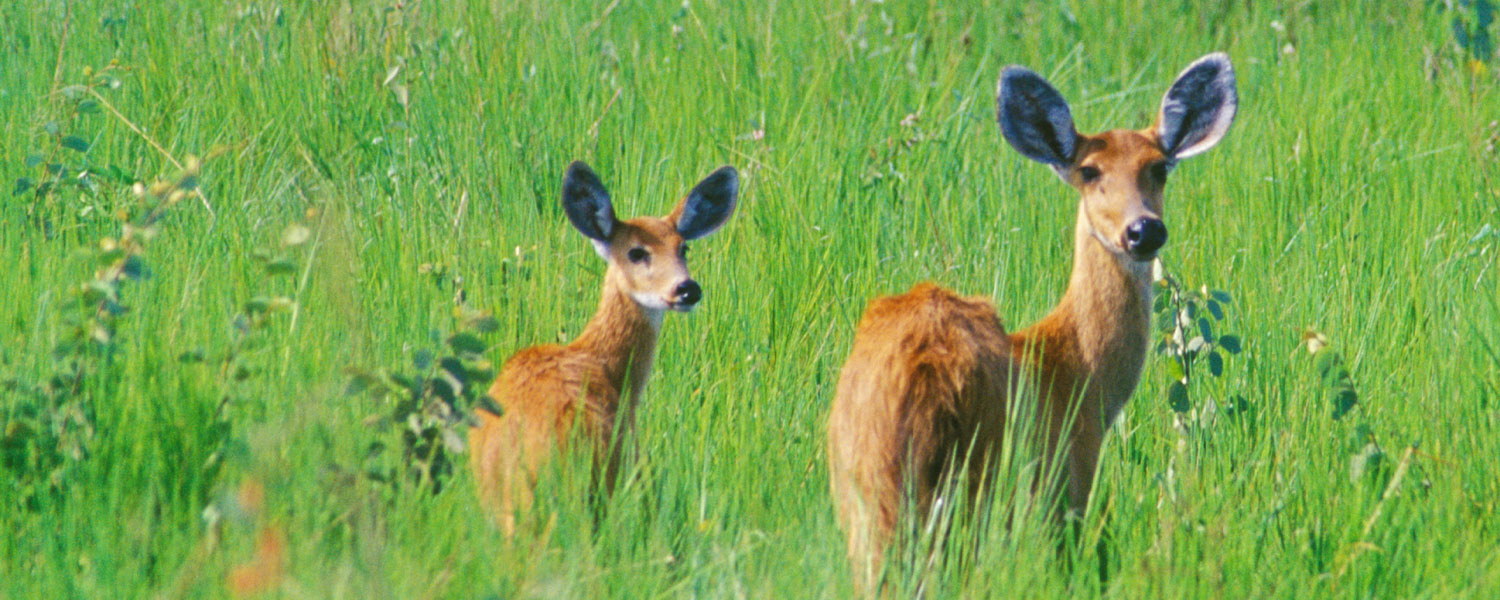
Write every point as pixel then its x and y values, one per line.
pixel 596 381
pixel 928 377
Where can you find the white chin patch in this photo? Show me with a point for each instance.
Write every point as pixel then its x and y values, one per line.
pixel 649 301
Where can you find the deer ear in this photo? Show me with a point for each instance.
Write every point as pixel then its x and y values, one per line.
pixel 1035 119
pixel 709 205
pixel 1199 107
pixel 586 202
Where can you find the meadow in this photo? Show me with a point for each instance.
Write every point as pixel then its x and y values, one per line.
pixel 237 233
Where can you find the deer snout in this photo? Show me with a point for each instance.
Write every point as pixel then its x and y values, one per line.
pixel 687 295
pixel 1144 237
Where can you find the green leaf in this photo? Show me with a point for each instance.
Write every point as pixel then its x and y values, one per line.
pixel 74 142
pixel 422 359
pixel 1230 344
pixel 100 289
pixel 32 160
pixel 282 266
pixel 1196 344
pixel 1220 295
pixel 88 106
pixel 1366 460
pixel 485 324
pixel 467 342
pixel 257 305
pixel 295 235
pixel 452 441
pixel 489 405
pixel 359 381
pixel 1237 406
pixel 51 128
pixel 23 185
pixel 1206 329
pixel 1175 370
pixel 1344 400
pixel 135 268
pixel 119 174
pixel 1177 397
pixel 447 387
pixel 1331 367
pixel 1215 310
pixel 1215 363
pixel 1165 323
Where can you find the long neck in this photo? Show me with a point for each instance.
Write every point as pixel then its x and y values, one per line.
pixel 622 335
pixel 1101 328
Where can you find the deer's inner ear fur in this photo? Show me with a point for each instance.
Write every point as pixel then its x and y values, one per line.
pixel 1035 119
pixel 587 203
pixel 709 205
pixel 1199 107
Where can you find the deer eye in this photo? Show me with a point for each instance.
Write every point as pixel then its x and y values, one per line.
pixel 638 255
pixel 1089 174
pixel 682 250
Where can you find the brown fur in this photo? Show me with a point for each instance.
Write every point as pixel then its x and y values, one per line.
pixel 595 381
pixel 929 372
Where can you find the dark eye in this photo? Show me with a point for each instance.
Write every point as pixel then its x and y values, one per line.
pixel 1089 174
pixel 1158 172
pixel 682 250
pixel 638 255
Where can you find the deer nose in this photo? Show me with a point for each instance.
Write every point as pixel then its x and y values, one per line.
pixel 1144 237
pixel 688 293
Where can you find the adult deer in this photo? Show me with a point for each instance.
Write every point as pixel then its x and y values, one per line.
pixel 595 382
pixel 926 384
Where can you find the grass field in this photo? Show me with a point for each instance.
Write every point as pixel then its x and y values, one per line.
pixel 418 148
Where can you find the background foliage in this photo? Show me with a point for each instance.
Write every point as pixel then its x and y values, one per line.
pixel 379 179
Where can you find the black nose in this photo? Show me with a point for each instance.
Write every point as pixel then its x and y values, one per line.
pixel 1144 237
pixel 688 293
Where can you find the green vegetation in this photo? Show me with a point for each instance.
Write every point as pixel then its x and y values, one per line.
pixel 379 182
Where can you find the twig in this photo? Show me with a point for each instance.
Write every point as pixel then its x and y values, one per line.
pixel 600 21
pixel 594 129
pixel 62 44
pixel 463 204
pixel 1390 489
pixel 163 151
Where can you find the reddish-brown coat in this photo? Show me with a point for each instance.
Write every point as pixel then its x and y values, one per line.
pixel 931 372
pixel 589 388
pixel 545 390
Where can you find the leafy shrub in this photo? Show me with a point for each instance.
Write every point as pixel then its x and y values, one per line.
pixel 429 405
pixel 50 425
pixel 1187 321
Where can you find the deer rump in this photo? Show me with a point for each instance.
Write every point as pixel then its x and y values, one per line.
pixel 925 389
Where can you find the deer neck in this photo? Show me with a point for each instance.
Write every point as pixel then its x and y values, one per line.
pixel 1101 328
pixel 622 335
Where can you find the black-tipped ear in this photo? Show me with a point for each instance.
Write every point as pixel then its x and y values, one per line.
pixel 1035 119
pixel 1199 107
pixel 586 202
pixel 709 205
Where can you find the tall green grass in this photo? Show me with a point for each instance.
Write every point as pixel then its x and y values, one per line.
pixel 1346 200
